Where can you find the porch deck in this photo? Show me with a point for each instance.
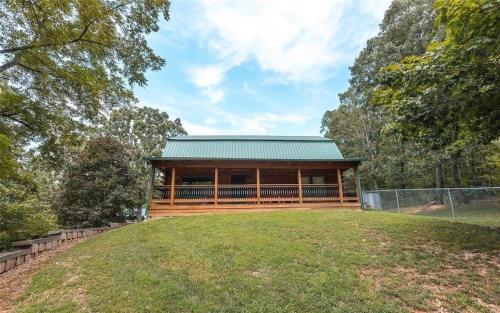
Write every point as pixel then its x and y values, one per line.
pixel 205 199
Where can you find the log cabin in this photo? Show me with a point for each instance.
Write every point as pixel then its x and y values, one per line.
pixel 209 174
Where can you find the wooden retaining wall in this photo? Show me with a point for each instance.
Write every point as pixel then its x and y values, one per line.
pixel 27 249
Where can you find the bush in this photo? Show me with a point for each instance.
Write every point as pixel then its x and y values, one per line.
pixel 100 185
pixel 27 219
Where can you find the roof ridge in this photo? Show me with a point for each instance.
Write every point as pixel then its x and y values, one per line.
pixel 248 138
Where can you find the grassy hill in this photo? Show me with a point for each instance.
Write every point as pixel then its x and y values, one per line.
pixel 301 261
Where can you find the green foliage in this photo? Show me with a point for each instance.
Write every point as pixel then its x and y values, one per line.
pixel 143 128
pixel 23 214
pixel 145 131
pixel 100 185
pixel 7 163
pixel 448 97
pixel 424 94
pixel 65 62
pixel 63 66
pixel 357 126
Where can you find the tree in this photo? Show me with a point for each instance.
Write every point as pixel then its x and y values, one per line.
pixel 146 131
pixel 63 62
pixel 100 185
pixel 407 28
pixel 23 213
pixel 447 98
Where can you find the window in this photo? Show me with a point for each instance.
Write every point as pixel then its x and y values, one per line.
pixel 196 181
pixel 317 180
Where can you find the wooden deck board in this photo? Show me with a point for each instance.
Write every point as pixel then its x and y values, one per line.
pixel 159 210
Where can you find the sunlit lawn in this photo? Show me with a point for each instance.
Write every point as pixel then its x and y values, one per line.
pixel 301 261
pixel 487 214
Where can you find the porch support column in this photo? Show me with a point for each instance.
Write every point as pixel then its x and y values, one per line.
pixel 356 182
pixel 151 190
pixel 258 185
pixel 216 186
pixel 299 179
pixel 172 187
pixel 341 187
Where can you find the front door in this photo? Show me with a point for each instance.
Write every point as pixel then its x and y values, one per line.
pixel 238 179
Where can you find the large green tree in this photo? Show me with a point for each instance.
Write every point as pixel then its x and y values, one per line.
pixel 100 185
pixel 356 125
pixel 448 97
pixel 146 131
pixel 63 62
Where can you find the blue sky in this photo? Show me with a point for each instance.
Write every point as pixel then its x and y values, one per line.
pixel 257 67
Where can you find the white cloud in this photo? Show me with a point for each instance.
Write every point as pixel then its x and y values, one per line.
pixel 293 39
pixel 214 95
pixel 207 76
pixel 247 88
pixel 257 123
pixel 199 129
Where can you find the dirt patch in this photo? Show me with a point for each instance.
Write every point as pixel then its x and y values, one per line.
pixel 14 282
pixel 81 299
pixel 438 283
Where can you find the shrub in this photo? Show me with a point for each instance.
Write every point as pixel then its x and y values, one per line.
pixel 100 185
pixel 25 219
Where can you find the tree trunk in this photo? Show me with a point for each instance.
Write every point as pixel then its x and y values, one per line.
pixel 402 174
pixel 138 215
pixel 457 180
pixel 439 183
pixel 455 169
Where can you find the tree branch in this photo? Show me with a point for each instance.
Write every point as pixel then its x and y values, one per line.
pixel 51 44
pixel 29 68
pixel 11 116
pixel 8 65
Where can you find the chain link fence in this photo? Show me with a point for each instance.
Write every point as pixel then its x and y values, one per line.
pixel 473 205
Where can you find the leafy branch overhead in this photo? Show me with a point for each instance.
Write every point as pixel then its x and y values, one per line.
pixel 449 96
pixel 73 59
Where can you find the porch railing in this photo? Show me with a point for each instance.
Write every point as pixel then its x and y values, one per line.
pixel 320 191
pixel 248 193
pixel 235 193
pixel 160 193
pixel 279 192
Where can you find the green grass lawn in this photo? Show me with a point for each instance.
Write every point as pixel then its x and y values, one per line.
pixel 300 261
pixel 487 214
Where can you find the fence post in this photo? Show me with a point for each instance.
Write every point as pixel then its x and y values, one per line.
pixel 397 200
pixel 451 203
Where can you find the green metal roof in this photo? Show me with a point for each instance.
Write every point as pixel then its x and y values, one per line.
pixel 273 148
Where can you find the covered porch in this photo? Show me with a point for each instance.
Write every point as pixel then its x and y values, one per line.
pixel 209 186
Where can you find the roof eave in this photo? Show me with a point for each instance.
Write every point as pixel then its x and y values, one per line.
pixel 351 160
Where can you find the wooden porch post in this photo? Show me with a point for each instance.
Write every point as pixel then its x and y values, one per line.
pixel 172 187
pixel 258 185
pixel 299 178
pixel 341 187
pixel 216 186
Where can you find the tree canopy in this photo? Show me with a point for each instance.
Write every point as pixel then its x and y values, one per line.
pixel 448 96
pixel 99 185
pixel 424 94
pixel 64 62
pixel 67 69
